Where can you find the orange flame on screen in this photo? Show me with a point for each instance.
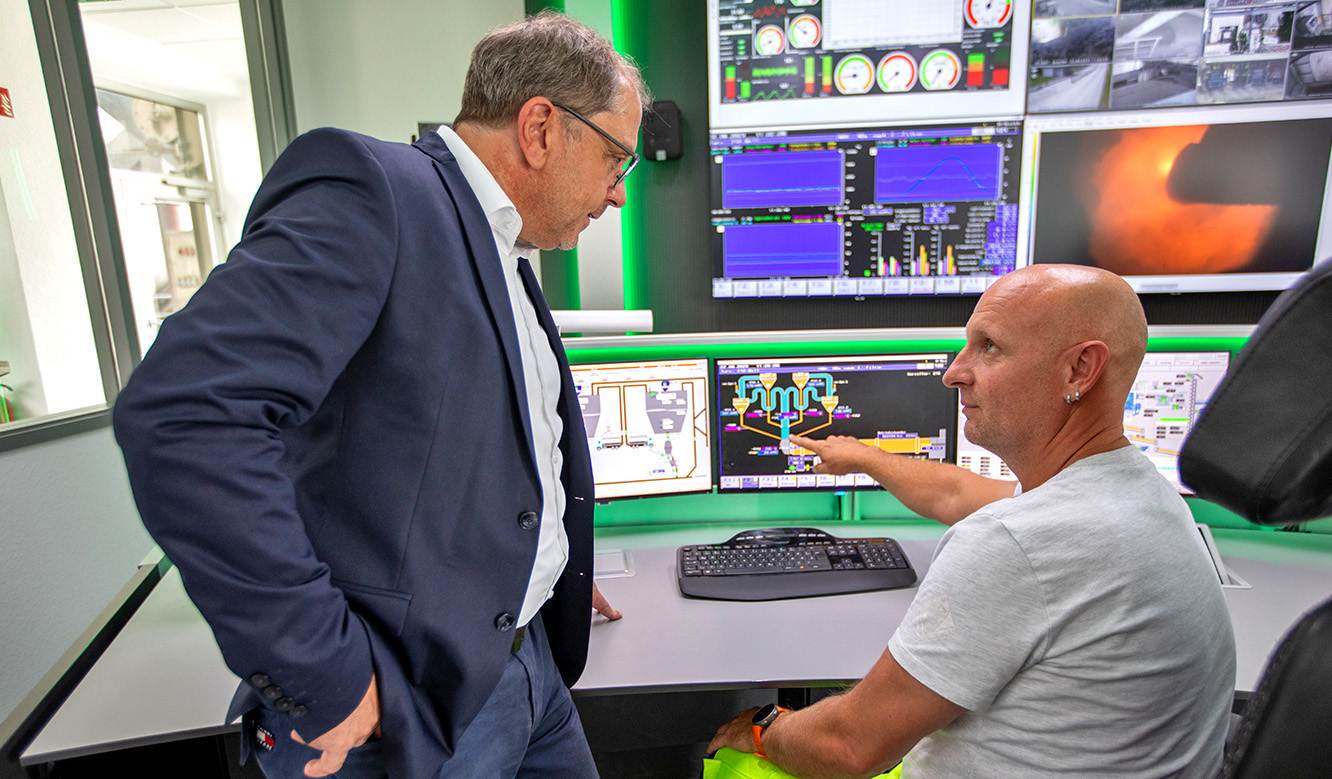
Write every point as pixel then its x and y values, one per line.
pixel 1137 228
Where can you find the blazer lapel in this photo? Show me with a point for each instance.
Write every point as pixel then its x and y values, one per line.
pixel 485 259
pixel 575 436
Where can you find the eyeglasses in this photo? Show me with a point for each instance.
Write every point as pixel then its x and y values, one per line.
pixel 633 156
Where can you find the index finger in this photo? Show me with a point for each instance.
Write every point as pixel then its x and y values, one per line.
pixel 602 606
pixel 805 443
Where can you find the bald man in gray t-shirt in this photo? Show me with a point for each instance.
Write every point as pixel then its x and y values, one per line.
pixel 1076 629
pixel 1082 627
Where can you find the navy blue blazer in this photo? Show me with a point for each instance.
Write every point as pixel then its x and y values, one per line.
pixel 332 443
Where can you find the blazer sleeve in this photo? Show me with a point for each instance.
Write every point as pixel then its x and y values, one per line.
pixel 201 422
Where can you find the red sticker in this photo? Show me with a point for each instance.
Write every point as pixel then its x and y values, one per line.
pixel 6 105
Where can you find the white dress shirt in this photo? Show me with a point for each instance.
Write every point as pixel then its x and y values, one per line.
pixel 541 375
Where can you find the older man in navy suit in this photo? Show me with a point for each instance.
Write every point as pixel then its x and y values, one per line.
pixel 360 443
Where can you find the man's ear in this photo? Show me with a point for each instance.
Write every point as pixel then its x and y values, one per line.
pixel 1087 362
pixel 538 134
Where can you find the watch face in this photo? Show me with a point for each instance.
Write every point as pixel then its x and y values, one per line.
pixel 765 715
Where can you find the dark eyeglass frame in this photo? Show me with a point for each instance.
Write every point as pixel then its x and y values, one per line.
pixel 633 155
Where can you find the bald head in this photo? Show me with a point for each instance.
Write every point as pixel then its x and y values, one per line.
pixel 1052 352
pixel 1064 305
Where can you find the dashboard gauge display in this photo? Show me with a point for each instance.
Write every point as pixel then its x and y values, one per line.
pixel 897 72
pixel 805 31
pixel 940 69
pixel 988 13
pixel 854 75
pixel 769 40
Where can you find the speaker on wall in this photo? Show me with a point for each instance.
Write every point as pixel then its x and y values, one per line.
pixel 661 131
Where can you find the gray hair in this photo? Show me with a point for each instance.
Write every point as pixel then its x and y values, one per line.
pixel 547 55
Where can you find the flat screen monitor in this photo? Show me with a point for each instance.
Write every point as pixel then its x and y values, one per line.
pixel 647 426
pixel 1182 144
pixel 869 211
pixel 863 60
pixel 1229 198
pixel 1171 390
pixel 896 402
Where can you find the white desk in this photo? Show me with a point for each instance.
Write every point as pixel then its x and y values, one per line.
pixel 163 678
pixel 668 642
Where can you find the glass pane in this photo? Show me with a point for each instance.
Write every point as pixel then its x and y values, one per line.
pixel 46 333
pixel 173 100
pixel 168 244
pixel 151 137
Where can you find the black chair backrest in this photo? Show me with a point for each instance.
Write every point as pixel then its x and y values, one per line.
pixel 1263 446
pixel 1286 732
pixel 1263 449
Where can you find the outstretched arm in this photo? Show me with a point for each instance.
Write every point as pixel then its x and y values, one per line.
pixel 934 490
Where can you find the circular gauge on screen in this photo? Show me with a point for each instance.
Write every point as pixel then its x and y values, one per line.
pixel 940 70
pixel 805 31
pixel 854 75
pixel 769 40
pixel 897 72
pixel 988 13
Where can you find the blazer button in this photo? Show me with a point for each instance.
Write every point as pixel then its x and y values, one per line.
pixel 260 680
pixel 298 711
pixel 272 692
pixel 528 520
pixel 505 622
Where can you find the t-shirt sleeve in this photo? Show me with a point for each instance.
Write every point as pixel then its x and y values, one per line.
pixel 978 618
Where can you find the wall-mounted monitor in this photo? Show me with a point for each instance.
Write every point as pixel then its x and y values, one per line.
pixel 1183 144
pixel 1230 198
pixel 1171 390
pixel 1091 55
pixel 871 211
pixel 647 426
pixel 896 402
pixel 864 60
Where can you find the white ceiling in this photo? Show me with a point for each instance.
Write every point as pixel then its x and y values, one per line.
pixel 188 49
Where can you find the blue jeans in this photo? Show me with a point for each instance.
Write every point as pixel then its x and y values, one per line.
pixel 528 729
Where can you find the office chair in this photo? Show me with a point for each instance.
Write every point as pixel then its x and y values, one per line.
pixel 1279 474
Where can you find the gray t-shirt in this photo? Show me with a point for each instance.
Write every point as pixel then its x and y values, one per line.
pixel 1082 626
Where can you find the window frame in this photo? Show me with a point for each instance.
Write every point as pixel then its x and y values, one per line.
pixel 70 91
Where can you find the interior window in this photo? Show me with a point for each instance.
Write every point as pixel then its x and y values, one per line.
pixel 166 202
pixel 48 356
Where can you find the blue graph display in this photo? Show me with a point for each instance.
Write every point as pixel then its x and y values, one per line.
pixel 782 179
pixel 938 174
pixel 782 250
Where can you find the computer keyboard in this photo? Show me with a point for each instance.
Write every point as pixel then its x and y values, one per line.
pixel 791 562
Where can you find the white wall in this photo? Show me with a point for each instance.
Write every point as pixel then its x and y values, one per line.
pixel 380 68
pixel 72 539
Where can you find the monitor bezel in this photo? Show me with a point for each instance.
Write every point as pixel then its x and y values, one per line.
pixel 950 456
pixel 711 459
